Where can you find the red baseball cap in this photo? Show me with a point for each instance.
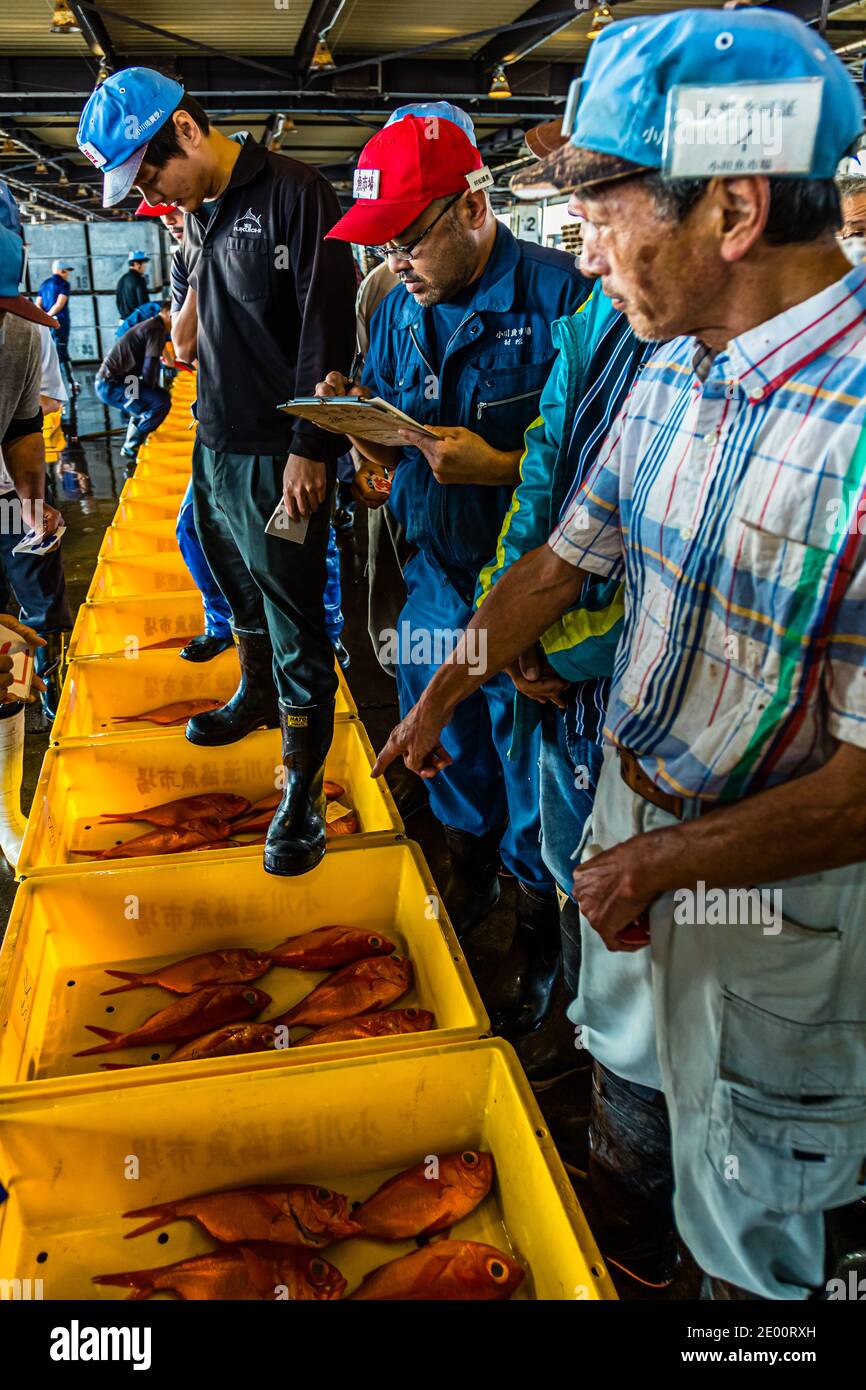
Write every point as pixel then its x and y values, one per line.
pixel 400 172
pixel 146 209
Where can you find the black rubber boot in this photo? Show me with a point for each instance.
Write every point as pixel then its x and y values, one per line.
pixel 254 704
pixel 472 887
pixel 408 790
pixel 296 836
pixel 48 664
pixel 205 647
pixel 554 1049
pixel 519 994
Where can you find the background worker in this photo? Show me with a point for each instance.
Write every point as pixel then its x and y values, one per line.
pixel 852 200
pixel 737 716
pixel 463 347
pixel 274 310
pixel 131 288
pixel 128 378
pixel 53 297
pixel 24 455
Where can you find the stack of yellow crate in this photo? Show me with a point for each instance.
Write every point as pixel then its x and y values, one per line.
pixel 79 1145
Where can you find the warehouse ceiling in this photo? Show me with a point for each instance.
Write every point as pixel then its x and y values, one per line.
pixel 250 63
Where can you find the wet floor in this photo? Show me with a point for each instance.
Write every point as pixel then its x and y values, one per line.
pixel 85 484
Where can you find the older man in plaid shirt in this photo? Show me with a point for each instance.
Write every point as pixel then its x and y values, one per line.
pixel 728 494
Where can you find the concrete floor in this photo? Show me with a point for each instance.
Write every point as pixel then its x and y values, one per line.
pixel 86 486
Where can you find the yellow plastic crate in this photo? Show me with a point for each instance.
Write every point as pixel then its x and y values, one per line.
pixel 135 511
pixel 138 574
pixel 98 688
pixel 66 930
pixel 160 465
pixel 146 538
pixel 347 1125
pixel 170 485
pixel 83 779
pixel 104 628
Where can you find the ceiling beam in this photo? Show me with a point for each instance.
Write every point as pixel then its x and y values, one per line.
pixel 94 33
pixel 511 45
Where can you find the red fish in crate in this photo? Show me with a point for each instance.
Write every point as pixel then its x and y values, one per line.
pixel 381 1025
pixel 221 806
pixel 447 1270
pixel 328 947
pixel 177 713
pixel 358 988
pixel 188 1017
pixel 256 1270
pixel 232 1040
pixel 293 1213
pixel 167 840
pixel 414 1203
pixel 196 972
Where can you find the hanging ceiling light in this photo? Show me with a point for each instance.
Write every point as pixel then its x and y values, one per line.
pixel 63 178
pixel 600 20
pixel 104 72
pixel 63 20
pixel 10 146
pixel 41 166
pixel 83 190
pixel 322 59
pixel 499 83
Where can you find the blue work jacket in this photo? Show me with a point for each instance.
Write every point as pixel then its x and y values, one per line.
pixel 490 381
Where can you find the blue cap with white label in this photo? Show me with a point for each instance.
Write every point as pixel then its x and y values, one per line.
pixel 120 117
pixel 436 110
pixel 704 93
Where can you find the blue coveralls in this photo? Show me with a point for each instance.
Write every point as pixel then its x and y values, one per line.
pixel 489 380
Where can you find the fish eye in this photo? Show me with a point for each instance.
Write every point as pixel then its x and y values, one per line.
pixel 470 1158
pixel 374 941
pixel 411 1013
pixel 318 1271
pixel 323 1194
pixel 497 1271
pixel 250 996
pixel 397 957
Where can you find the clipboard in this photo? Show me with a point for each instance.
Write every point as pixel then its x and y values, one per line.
pixel 370 418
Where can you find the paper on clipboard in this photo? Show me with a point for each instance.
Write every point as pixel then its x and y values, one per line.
pixel 366 418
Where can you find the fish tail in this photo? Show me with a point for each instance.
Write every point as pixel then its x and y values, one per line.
pixel 163 1215
pixel 103 1047
pixel 135 981
pixel 117 817
pixel 116 1066
pixel 139 1280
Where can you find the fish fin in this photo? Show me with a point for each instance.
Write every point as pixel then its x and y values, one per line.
pixel 117 817
pixel 139 1280
pixel 100 1033
pixel 136 981
pixel 163 1215
pixel 116 1066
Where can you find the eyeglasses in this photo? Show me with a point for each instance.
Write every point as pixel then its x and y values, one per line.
pixel 407 253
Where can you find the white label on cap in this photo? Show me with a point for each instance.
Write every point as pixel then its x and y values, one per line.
pixel 92 154
pixel 366 183
pixel 479 178
pixel 742 128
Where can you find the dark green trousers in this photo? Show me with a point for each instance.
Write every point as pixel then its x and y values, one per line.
pixel 273 586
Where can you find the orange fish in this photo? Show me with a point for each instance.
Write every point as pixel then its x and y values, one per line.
pixel 231 1040
pixel 346 825
pixel 327 947
pixel 177 713
pixel 188 1017
pixel 221 806
pixel 415 1204
pixel 333 791
pixel 356 989
pixel 453 1270
pixel 228 967
pixel 372 1026
pixel 166 840
pixel 294 1213
pixel 255 821
pixel 267 803
pixel 254 1270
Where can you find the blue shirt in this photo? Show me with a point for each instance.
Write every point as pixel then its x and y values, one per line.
pixel 487 377
pixel 48 292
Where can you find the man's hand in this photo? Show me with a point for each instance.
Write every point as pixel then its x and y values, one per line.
pixel 305 486
pixel 33 640
pixel 457 455
pixel 39 516
pixel 335 384
pixel 416 740
pixel 534 676
pixel 371 485
pixel 613 891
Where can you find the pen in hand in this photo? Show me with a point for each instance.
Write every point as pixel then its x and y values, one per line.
pixel 353 371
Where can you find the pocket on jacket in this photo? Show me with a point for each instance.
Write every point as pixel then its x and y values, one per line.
pixel 248 267
pixel 790 1156
pixel 505 400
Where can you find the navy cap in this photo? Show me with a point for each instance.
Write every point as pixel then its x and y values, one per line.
pixel 699 93
pixel 120 117
pixel 138 256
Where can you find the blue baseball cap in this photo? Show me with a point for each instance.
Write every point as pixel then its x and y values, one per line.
pixel 695 93
pixel 120 117
pixel 440 110
pixel 138 256
pixel 13 258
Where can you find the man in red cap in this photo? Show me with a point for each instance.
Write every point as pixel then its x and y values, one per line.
pixel 465 349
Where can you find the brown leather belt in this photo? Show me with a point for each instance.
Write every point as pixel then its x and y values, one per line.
pixel 634 777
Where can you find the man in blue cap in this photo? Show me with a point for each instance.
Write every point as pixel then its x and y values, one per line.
pixel 273 311
pixel 722 888
pixel 53 297
pixel 131 288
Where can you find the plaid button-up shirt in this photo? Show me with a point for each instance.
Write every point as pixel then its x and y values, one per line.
pixel 730 491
